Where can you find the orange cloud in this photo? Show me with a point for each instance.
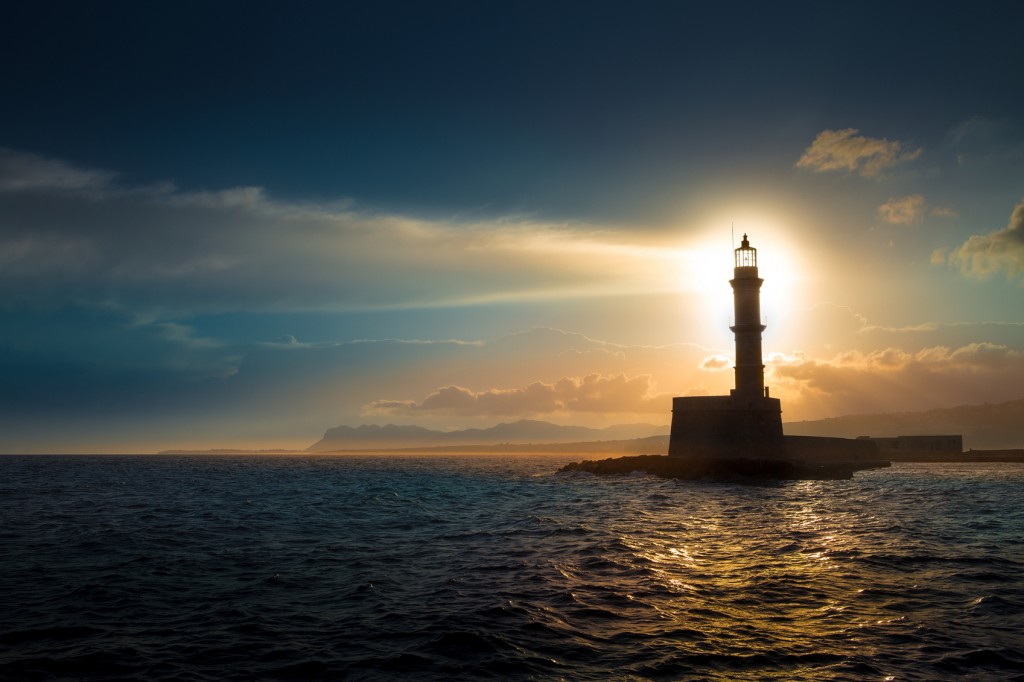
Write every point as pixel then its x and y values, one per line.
pixel 715 363
pixel 903 210
pixel 845 150
pixel 895 380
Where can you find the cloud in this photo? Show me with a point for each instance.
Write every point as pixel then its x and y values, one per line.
pixel 883 379
pixel 92 363
pixel 903 210
pixel 987 330
pixel 895 380
pixel 616 394
pixel 715 363
pixel 943 212
pixel 235 197
pixel 175 385
pixel 68 233
pixel 23 171
pixel 845 150
pixel 912 209
pixel 982 256
pixel 979 138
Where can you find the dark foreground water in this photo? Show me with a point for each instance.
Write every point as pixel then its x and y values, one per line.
pixel 300 567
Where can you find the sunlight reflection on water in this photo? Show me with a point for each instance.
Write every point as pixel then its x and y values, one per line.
pixel 382 567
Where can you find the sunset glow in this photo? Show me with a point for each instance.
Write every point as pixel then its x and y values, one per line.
pixel 469 340
pixel 220 248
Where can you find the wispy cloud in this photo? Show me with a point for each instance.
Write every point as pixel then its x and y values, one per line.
pixel 24 171
pixel 239 249
pixel 1000 251
pixel 845 150
pixel 912 209
pixel 715 363
pixel 903 210
pixel 943 212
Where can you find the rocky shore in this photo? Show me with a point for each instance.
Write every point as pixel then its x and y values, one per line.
pixel 733 468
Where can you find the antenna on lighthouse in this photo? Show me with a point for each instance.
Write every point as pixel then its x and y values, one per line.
pixel 732 227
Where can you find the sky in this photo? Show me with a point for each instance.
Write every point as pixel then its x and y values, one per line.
pixel 238 224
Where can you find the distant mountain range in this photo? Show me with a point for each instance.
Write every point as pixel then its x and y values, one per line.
pixel 392 436
pixel 982 426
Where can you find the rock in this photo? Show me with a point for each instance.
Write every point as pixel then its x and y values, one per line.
pixel 726 468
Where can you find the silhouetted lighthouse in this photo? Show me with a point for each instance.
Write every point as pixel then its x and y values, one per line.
pixel 740 434
pixel 746 291
pixel 747 422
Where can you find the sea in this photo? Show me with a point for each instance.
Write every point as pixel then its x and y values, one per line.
pixel 496 567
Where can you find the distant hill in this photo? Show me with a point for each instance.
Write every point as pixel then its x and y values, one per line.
pixel 984 426
pixel 525 431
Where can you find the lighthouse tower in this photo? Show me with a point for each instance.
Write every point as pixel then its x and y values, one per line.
pixel 747 423
pixel 746 291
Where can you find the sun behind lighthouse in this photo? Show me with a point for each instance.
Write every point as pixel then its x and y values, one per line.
pixel 747 420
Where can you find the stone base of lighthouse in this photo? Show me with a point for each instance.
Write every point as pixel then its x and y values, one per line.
pixel 727 427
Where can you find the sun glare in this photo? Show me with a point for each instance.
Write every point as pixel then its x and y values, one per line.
pixel 705 267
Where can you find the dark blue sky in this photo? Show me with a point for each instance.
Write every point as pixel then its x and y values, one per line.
pixel 571 109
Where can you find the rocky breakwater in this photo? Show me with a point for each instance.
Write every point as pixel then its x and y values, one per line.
pixel 724 468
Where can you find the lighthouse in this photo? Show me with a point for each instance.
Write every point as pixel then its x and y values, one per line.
pixel 740 434
pixel 746 292
pixel 747 422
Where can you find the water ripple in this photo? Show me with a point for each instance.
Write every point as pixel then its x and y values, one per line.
pixel 189 568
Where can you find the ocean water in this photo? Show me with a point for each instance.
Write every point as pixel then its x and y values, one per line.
pixel 495 567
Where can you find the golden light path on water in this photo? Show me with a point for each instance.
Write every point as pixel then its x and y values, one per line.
pixel 441 567
pixel 757 578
